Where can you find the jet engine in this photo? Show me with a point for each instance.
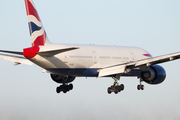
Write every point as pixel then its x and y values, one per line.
pixel 62 79
pixel 154 74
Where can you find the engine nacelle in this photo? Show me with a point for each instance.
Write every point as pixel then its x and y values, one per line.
pixel 62 79
pixel 154 74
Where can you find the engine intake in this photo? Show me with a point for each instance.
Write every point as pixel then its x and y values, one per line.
pixel 154 74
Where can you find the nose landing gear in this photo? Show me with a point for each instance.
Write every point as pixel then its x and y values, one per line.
pixel 140 86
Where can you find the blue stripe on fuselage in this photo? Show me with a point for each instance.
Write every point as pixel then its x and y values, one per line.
pixel 33 27
pixel 76 71
pixel 90 72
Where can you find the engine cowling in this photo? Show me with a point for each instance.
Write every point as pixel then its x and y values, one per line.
pixel 154 74
pixel 62 79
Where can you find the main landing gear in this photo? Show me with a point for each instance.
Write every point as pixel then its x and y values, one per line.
pixel 64 88
pixel 140 86
pixel 116 88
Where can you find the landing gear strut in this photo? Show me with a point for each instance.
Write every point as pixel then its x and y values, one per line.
pixel 140 86
pixel 116 88
pixel 64 88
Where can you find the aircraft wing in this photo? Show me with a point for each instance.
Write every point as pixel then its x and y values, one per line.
pixel 17 59
pixel 126 67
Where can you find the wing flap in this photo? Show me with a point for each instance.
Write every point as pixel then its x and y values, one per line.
pixel 112 70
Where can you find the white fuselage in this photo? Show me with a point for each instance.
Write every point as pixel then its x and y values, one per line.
pixel 87 57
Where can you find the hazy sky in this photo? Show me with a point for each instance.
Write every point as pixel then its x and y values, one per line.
pixel 28 94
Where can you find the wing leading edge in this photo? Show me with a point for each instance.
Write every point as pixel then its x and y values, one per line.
pixel 126 67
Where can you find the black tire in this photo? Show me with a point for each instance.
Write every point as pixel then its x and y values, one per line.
pixel 70 86
pixel 67 88
pixel 58 90
pixel 138 87
pixel 64 91
pixel 119 88
pixel 61 87
pixel 116 91
pixel 122 87
pixel 109 90
pixel 142 87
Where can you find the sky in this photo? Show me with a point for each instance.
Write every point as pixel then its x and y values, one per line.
pixel 28 94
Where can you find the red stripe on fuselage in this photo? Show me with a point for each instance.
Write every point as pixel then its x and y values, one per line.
pixel 40 40
pixel 31 10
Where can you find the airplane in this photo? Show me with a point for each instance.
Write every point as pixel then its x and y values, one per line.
pixel 65 62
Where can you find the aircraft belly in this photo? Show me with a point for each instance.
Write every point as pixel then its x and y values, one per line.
pixel 79 72
pixel 90 72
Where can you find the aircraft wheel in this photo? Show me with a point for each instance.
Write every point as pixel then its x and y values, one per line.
pixel 70 86
pixel 109 90
pixel 138 87
pixel 122 87
pixel 142 87
pixel 116 91
pixel 119 88
pixel 61 87
pixel 58 90
pixel 64 91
